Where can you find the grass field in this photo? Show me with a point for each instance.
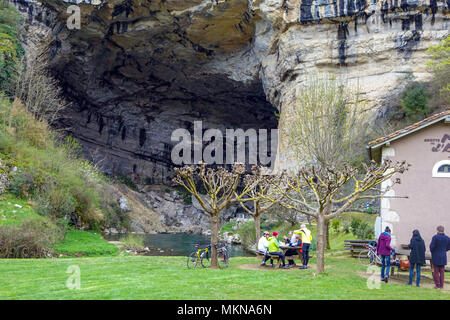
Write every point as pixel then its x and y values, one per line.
pixel 140 277
pixel 86 243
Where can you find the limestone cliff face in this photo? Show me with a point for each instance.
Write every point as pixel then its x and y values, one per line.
pixel 137 70
pixel 374 43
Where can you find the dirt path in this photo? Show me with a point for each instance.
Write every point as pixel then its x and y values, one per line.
pixel 262 268
pixel 403 278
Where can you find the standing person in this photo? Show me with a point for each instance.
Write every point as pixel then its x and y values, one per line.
pixel 439 246
pixel 263 247
pixel 274 249
pixel 292 241
pixel 306 238
pixel 416 257
pixel 384 250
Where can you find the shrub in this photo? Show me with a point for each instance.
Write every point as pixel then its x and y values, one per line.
pixel 362 230
pixel 128 182
pixel 32 239
pixel 439 65
pixel 133 242
pixel 10 48
pixel 336 225
pixel 415 101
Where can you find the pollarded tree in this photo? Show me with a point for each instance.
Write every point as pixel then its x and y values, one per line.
pixel 330 198
pixel 221 187
pixel 262 191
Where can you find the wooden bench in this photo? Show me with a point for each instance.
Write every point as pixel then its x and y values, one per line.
pixel 284 248
pixel 356 246
pixel 273 257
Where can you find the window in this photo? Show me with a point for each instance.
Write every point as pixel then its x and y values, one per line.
pixel 442 169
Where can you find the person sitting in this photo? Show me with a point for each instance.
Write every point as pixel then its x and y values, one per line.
pixel 292 241
pixel 263 245
pixel 274 249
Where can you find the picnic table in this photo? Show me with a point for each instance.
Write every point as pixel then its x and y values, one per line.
pixel 284 248
pixel 355 246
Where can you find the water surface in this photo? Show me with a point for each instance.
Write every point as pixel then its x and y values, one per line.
pixel 178 244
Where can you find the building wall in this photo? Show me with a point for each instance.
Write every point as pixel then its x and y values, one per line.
pixel 428 203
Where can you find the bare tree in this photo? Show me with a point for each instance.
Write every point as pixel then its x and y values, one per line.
pixel 327 185
pixel 220 186
pixel 262 193
pixel 328 124
pixel 39 91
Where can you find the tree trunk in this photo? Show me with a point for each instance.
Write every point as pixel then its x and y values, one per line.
pixel 327 234
pixel 320 243
pixel 214 239
pixel 257 219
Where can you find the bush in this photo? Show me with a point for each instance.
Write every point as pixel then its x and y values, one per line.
pixel 362 230
pixel 415 101
pixel 133 242
pixel 336 225
pixel 10 48
pixel 32 239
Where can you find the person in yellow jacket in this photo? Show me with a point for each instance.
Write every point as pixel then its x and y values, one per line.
pixel 306 237
pixel 274 249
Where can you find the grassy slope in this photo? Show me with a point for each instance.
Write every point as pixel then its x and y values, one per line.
pixel 12 215
pixel 76 242
pixel 168 278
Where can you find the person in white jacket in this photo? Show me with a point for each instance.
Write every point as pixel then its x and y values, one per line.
pixel 263 245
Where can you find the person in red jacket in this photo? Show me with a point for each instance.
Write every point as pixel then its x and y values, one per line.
pixel 384 250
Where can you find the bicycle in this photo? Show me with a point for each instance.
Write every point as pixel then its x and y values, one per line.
pixel 199 256
pixel 369 256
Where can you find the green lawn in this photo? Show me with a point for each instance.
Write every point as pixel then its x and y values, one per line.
pixel 86 243
pixel 139 277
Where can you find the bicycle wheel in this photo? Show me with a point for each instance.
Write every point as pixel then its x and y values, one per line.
pixel 192 260
pixel 365 258
pixel 223 259
pixel 205 259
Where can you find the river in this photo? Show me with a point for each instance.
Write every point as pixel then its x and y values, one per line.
pixel 178 244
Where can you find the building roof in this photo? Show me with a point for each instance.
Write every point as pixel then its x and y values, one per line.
pixel 409 129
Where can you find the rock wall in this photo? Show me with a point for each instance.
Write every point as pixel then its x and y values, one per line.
pixel 137 70
pixel 374 44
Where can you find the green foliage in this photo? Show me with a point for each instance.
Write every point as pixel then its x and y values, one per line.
pixel 439 65
pixel 128 182
pixel 85 243
pixel 361 229
pixel 336 225
pixel 51 171
pixel 10 48
pixel 133 242
pixel 415 101
pixel 31 239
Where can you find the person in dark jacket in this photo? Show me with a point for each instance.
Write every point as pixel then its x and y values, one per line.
pixel 384 250
pixel 439 246
pixel 416 257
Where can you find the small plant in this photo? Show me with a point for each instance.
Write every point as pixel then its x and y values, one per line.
pixel 128 182
pixel 336 225
pixel 133 242
pixel 362 230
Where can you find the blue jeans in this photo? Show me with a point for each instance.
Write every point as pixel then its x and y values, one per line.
pixel 411 273
pixel 385 265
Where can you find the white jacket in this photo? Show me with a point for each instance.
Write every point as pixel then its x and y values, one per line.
pixel 263 244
